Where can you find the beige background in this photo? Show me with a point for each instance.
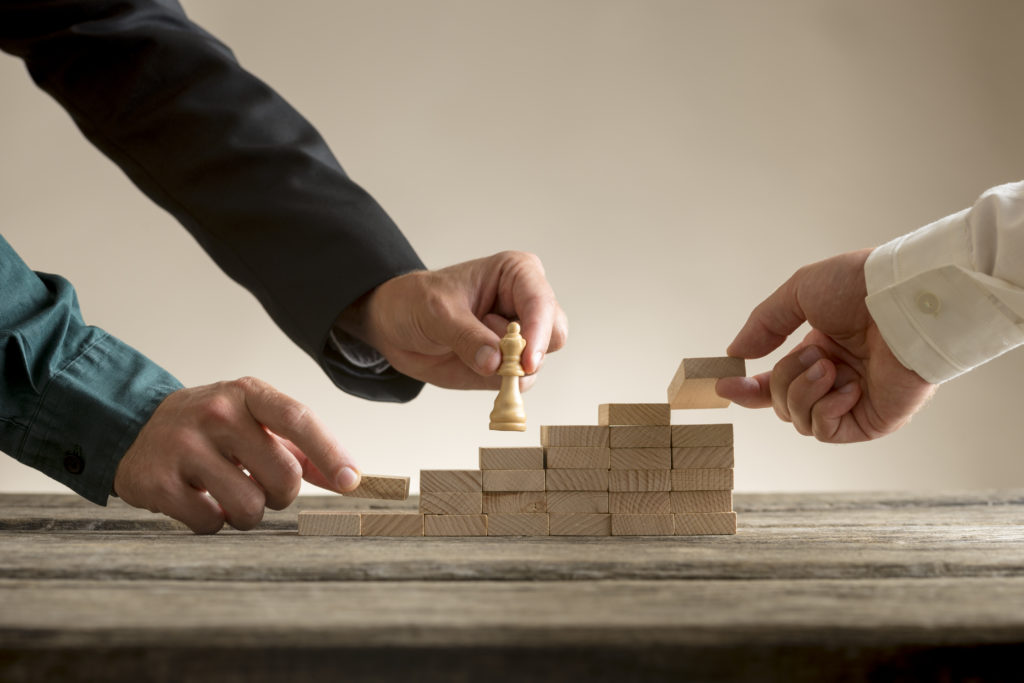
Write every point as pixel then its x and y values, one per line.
pixel 671 162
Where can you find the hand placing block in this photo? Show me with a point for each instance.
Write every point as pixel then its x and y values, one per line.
pixel 694 383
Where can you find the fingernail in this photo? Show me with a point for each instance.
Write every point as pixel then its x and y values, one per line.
pixel 486 358
pixel 816 372
pixel 847 388
pixel 809 355
pixel 348 479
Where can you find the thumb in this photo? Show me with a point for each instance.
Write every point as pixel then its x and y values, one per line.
pixel 771 322
pixel 472 341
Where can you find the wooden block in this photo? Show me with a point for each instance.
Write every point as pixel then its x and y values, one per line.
pixel 643 525
pixel 702 457
pixel 328 523
pixel 432 481
pixel 701 501
pixel 640 436
pixel 705 523
pixel 693 385
pixel 390 524
pixel 451 503
pixel 720 479
pixel 577 457
pixel 530 458
pixel 640 480
pixel 515 502
pixel 577 480
pixel 381 486
pixel 454 525
pixel 517 525
pixel 573 502
pixel 640 459
pixel 634 414
pixel 640 503
pixel 701 435
pixel 580 525
pixel 513 480
pixel 573 435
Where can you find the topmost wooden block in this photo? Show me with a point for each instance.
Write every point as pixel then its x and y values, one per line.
pixel 634 414
pixel 694 383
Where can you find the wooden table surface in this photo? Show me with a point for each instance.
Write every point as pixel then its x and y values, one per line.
pixel 813 587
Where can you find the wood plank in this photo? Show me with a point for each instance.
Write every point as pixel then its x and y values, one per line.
pixel 541 632
pixel 451 503
pixel 693 385
pixel 640 502
pixel 515 502
pixel 432 481
pixel 577 480
pixel 634 414
pixel 640 436
pixel 577 501
pixel 524 458
pixel 573 435
pixel 720 479
pixel 577 457
pixel 390 524
pixel 705 523
pixel 701 435
pixel 583 524
pixel 640 458
pixel 381 486
pixel 328 523
pixel 640 480
pixel 643 525
pixel 701 501
pixel 455 525
pixel 517 524
pixel 513 480
pixel 702 457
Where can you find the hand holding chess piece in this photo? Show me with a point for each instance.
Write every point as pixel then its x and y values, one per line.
pixel 509 415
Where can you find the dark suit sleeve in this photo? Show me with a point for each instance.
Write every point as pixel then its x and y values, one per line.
pixel 244 172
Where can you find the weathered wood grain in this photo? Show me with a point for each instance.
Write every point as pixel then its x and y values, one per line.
pixel 702 480
pixel 577 480
pixel 454 525
pixel 703 457
pixel 640 502
pixel 577 501
pixel 583 524
pixel 640 480
pixel 701 501
pixel 390 524
pixel 701 435
pixel 325 523
pixel 513 480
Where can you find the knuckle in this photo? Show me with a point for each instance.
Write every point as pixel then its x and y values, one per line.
pixel 295 417
pixel 282 490
pixel 218 409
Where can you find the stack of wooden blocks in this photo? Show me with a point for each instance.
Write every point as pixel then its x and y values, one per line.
pixel 632 474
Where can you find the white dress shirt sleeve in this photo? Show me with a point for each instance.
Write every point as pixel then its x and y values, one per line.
pixel 950 296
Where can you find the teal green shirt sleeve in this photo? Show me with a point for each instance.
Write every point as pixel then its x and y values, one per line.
pixel 72 397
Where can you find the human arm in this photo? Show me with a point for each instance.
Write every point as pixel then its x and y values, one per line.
pixel 887 328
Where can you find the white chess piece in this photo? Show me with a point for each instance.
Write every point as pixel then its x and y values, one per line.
pixel 509 414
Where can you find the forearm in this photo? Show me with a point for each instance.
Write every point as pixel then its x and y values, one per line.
pixel 950 296
pixel 72 398
pixel 244 172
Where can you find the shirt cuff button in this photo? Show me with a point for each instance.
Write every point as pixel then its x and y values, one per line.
pixel 74 463
pixel 927 303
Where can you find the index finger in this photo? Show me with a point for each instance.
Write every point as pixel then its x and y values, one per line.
pixel 292 420
pixel 537 309
pixel 770 323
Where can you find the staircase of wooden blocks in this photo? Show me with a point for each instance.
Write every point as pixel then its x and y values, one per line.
pixel 632 474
